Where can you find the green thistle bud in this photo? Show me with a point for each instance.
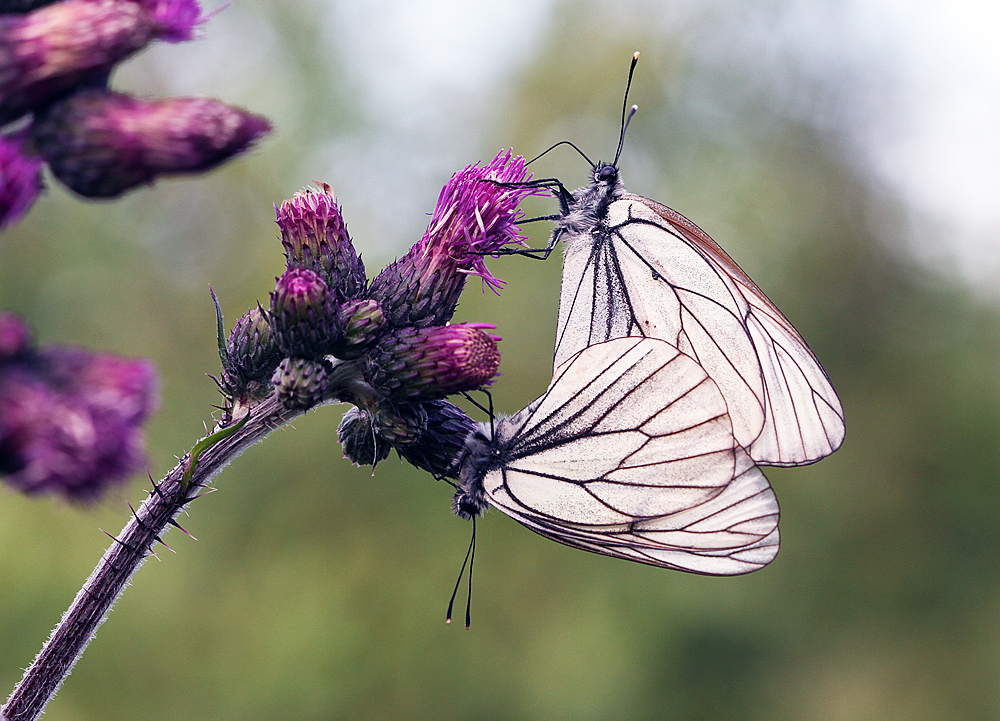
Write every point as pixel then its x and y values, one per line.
pixel 251 357
pixel 425 364
pixel 300 383
pixel 363 445
pixel 362 321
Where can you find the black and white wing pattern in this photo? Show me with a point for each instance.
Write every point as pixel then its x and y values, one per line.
pixel 634 267
pixel 629 453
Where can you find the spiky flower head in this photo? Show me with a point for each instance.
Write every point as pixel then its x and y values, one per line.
pixel 251 357
pixel 58 47
pixel 422 364
pixel 303 319
pixel 300 382
pixel 70 420
pixel 102 144
pixel 314 237
pixel 438 448
pixel 363 322
pixel 428 435
pixel 20 179
pixel 474 217
pixel 363 444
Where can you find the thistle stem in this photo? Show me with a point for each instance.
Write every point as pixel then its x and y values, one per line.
pixel 124 557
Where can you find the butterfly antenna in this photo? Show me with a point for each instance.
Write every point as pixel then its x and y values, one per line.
pixel 477 404
pixel 626 119
pixel 468 554
pixel 472 562
pixel 562 142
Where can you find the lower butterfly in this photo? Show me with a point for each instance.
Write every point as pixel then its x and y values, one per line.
pixel 629 453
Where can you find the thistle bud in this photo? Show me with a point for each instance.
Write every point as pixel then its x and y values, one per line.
pixel 251 357
pixel 58 47
pixel 424 364
pixel 102 144
pixel 362 321
pixel 302 318
pixel 474 216
pixel 438 448
pixel 300 383
pixel 20 179
pixel 314 237
pixel 363 445
pixel 70 420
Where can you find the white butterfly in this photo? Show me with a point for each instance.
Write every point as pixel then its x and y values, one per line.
pixel 634 267
pixel 629 453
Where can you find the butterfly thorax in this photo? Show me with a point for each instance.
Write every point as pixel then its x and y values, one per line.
pixel 480 455
pixel 590 203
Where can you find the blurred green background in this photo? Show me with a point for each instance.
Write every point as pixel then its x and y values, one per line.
pixel 317 590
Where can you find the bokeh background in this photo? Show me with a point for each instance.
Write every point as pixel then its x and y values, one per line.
pixel 844 152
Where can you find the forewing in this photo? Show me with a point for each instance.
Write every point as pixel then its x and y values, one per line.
pixel 667 279
pixel 630 453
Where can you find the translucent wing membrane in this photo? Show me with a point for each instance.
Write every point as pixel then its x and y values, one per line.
pixel 630 453
pixel 645 270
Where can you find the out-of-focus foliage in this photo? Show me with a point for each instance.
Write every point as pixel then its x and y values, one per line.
pixel 318 591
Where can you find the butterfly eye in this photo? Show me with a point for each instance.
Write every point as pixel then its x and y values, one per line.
pixel 606 173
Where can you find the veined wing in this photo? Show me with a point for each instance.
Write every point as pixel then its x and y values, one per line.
pixel 648 271
pixel 630 453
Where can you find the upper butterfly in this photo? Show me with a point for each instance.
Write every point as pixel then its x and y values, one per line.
pixel 634 267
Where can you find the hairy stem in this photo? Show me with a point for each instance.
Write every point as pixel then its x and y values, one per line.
pixel 128 552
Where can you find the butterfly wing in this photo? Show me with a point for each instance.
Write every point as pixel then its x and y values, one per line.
pixel 648 271
pixel 630 453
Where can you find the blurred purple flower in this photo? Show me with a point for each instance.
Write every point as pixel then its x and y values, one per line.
pixel 474 217
pixel 70 420
pixel 58 47
pixel 20 179
pixel 15 337
pixel 102 144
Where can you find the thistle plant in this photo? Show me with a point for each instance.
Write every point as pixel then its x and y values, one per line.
pixel 55 62
pixel 325 336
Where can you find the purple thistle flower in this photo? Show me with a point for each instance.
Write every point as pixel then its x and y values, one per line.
pixel 430 363
pixel 20 179
pixel 63 45
pixel 302 317
pixel 102 144
pixel 315 237
pixel 70 420
pixel 474 217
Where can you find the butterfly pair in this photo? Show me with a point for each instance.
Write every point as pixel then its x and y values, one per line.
pixel 674 377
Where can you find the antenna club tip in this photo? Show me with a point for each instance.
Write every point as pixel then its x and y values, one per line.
pixel 635 55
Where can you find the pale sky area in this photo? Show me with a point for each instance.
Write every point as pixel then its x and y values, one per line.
pixel 427 78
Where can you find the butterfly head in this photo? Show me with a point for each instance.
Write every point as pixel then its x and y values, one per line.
pixel 480 455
